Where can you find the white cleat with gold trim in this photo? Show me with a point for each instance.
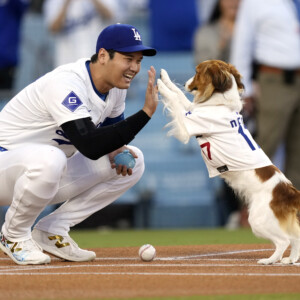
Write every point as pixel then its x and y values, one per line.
pixel 25 252
pixel 61 246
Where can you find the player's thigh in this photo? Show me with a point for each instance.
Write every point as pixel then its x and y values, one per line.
pixel 83 173
pixel 33 160
pixel 140 164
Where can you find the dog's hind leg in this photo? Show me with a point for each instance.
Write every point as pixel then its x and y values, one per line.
pixel 266 226
pixel 281 246
pixel 295 252
pixel 279 239
pixel 293 229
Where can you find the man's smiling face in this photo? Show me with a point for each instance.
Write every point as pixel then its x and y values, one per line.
pixel 123 68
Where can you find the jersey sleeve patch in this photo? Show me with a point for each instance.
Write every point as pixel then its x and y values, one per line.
pixel 72 102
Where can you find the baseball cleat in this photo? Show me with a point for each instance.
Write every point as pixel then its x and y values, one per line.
pixel 61 246
pixel 24 252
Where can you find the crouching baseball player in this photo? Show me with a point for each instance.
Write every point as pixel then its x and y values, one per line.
pixel 58 138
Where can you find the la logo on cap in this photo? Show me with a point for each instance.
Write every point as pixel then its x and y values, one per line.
pixel 122 38
pixel 136 35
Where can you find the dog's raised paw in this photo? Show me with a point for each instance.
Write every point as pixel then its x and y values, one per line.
pixel 163 74
pixel 163 89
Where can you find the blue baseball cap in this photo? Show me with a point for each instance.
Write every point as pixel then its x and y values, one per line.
pixel 122 38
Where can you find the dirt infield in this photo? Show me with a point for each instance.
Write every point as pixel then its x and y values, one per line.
pixel 177 271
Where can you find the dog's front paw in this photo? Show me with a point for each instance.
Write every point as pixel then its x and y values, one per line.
pixel 164 75
pixel 177 92
pixel 287 261
pixel 164 90
pixel 265 261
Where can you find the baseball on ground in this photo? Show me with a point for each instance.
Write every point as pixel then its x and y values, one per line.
pixel 147 252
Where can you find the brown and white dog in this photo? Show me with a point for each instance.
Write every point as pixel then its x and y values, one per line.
pixel 273 202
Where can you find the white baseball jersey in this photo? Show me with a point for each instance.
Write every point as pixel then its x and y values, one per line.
pixel 36 113
pixel 226 145
pixel 82 23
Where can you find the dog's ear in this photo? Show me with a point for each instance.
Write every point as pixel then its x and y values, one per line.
pixel 221 72
pixel 237 76
pixel 202 83
pixel 220 77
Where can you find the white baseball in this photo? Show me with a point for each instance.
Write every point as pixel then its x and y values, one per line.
pixel 147 252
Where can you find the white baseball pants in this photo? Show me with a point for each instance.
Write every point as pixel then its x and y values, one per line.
pixel 35 176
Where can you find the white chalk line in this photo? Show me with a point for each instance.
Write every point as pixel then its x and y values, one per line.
pixel 160 274
pixel 217 254
pixel 15 270
pixel 197 256
pixel 157 258
pixel 144 265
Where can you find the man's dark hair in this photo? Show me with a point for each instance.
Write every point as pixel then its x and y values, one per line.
pixel 111 53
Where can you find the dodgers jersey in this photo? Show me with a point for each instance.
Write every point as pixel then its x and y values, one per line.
pixel 82 21
pixel 65 94
pixel 226 145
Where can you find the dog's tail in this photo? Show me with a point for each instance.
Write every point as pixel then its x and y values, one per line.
pixel 286 207
pixel 176 111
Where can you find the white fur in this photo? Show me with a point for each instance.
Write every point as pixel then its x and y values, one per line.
pixel 176 104
pixel 256 193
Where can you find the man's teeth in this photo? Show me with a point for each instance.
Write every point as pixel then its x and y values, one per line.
pixel 128 76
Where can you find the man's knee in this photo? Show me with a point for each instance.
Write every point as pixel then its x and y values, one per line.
pixel 139 167
pixel 49 164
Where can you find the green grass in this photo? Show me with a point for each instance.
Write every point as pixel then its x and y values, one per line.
pixel 134 238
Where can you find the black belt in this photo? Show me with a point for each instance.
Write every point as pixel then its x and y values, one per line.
pixel 288 75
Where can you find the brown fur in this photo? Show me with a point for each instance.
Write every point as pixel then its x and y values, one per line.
pixel 265 173
pixel 286 199
pixel 285 205
pixel 214 76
